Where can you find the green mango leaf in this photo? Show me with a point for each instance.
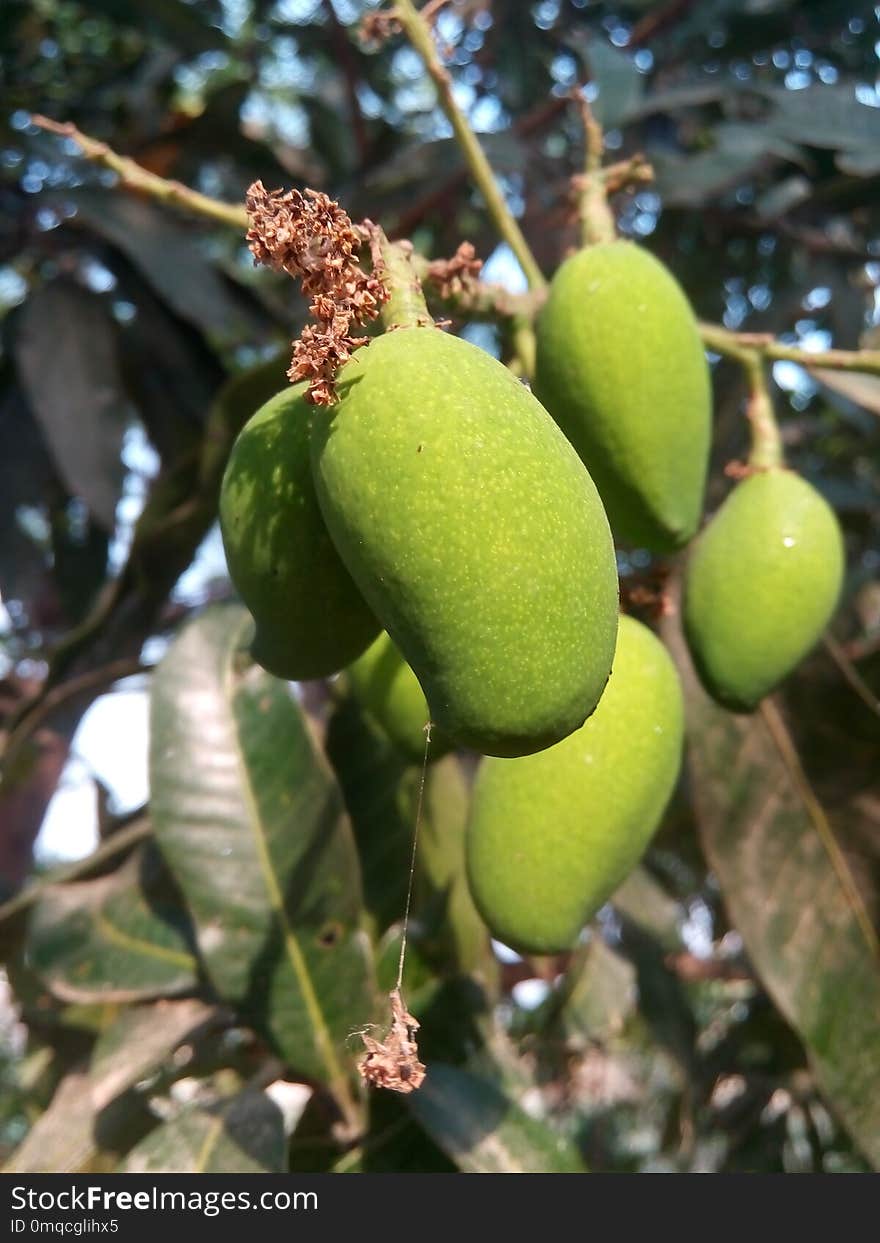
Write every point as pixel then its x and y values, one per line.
pixel 643 899
pixel 792 896
pixel 140 1039
pixel 481 1128
pixel 123 937
pixel 252 824
pixel 243 1136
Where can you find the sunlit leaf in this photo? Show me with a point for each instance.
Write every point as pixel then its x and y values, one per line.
pixel 244 1136
pixel 139 1040
pixel 122 937
pixel 252 824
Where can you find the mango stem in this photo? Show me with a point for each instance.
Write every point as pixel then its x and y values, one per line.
pixel 594 211
pixel 406 306
pixel 766 448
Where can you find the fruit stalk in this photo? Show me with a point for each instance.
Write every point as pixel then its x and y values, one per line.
pixel 766 448
pixel 406 306
pixel 596 216
pixel 420 36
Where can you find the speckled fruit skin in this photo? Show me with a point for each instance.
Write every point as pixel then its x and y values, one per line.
pixel 389 691
pixel 553 835
pixel 476 536
pixel 761 585
pixel 621 368
pixel 311 620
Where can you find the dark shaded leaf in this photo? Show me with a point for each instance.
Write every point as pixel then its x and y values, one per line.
pixel 67 359
pixel 252 824
pixel 123 937
pixel 594 998
pixel 620 84
pixel 139 1041
pixel 168 256
pixel 169 370
pixel 26 479
pixel 825 116
pixel 643 899
pixel 394 1143
pixel 863 390
pixel 243 1136
pixel 739 152
pixel 480 1127
pixel 792 896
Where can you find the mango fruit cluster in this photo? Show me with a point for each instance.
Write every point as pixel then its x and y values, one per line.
pixel 444 536
pixel 439 502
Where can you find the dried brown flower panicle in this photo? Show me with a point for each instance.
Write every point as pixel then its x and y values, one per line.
pixel 457 275
pixel 310 237
pixel 394 1063
pixel 376 28
pixel 647 594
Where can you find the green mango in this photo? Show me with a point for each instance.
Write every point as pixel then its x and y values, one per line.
pixel 621 367
pixel 389 691
pixel 552 836
pixel 311 620
pixel 761 585
pixel 476 536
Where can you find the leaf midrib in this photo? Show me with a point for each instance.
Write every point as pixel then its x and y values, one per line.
pixel 322 1038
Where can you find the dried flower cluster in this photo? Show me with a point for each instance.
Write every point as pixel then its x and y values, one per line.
pixel 648 594
pixel 456 276
pixel 394 1063
pixel 376 28
pixel 310 237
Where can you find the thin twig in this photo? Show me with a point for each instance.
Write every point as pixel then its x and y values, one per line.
pixel 421 37
pixel 737 344
pixel 32 713
pixel 123 839
pixel 816 812
pixel 135 177
pixel 850 674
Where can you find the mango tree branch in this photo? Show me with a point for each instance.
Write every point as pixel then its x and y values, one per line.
pixel 134 177
pixel 123 839
pixel 484 301
pixel 421 37
pixel 737 344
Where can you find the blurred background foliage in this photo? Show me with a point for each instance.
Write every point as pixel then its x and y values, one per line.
pixel 724 1012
